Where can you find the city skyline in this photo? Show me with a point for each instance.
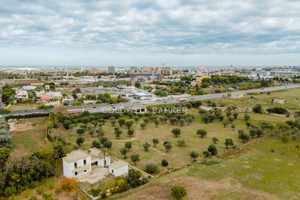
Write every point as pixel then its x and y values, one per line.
pixel 149 33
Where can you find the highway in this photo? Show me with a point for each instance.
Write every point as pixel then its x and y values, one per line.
pixel 104 107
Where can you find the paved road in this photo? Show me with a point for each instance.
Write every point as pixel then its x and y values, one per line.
pixel 106 107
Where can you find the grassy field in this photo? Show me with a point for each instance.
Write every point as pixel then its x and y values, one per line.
pixel 22 107
pixel 178 156
pixel 30 138
pixel 291 97
pixel 256 174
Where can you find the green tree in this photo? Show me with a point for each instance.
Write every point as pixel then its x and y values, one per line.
pixel 129 124
pixel 164 163
pixel 91 132
pixel 96 144
pixel 130 132
pixel 100 132
pixel 229 142
pixel 194 155
pixel 134 177
pixel 135 158
pixel 113 121
pixel 235 114
pixel 233 126
pixel 247 117
pixel 124 151
pixel 121 122
pixel 80 131
pixel 8 95
pixel 212 149
pixel 136 119
pixel 202 133
pixel 258 108
pixel 146 146
pixel 297 123
pixel 181 122
pixel 215 140
pixel 80 140
pixel 143 125
pixel 118 133
pixel 225 123
pixel 205 118
pixel 4 153
pixel 156 123
pixel 178 192
pixel 176 132
pixel 155 141
pixel 168 146
pixel 244 137
pixel 107 144
pixel 128 145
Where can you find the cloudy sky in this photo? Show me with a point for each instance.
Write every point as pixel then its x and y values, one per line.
pixel 149 32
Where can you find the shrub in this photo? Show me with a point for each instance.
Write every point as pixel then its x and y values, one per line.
pixel 258 108
pixel 146 146
pixel 215 140
pixel 68 185
pixel 95 191
pixel 212 161
pixel 284 139
pixel 151 168
pixel 26 193
pixel 277 110
pixel 33 197
pixel 40 190
pixel 212 149
pixel 164 163
pixel 178 192
pixel 47 196
pixel 50 183
pixel 103 194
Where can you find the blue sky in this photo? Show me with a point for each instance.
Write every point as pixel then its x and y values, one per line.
pixel 149 32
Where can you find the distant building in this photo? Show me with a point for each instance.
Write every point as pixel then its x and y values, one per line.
pixel 166 71
pixel 21 94
pixel 94 70
pixel 67 101
pixel 111 70
pixel 28 87
pixel 142 96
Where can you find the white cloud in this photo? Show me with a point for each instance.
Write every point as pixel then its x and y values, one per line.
pixel 154 26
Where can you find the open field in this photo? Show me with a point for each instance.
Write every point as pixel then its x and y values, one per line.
pixel 178 155
pixel 291 97
pixel 256 174
pixel 30 138
pixel 22 107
